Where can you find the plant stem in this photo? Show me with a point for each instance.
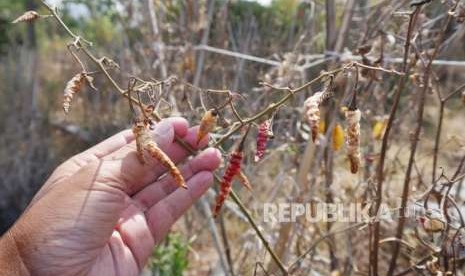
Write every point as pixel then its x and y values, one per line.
pixel 274 106
pixel 438 138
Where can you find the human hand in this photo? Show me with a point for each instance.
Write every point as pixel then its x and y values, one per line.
pixel 102 212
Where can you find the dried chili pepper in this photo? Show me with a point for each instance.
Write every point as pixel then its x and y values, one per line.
pixel 28 16
pixel 312 113
pixel 353 138
pixel 264 133
pixel 73 87
pixel 232 170
pixel 145 142
pixel 207 124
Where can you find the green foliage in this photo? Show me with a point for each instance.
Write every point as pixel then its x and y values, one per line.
pixel 97 20
pixel 3 34
pixel 173 11
pixel 9 10
pixel 284 10
pixel 241 9
pixel 8 6
pixel 170 258
pixel 100 30
pixel 280 12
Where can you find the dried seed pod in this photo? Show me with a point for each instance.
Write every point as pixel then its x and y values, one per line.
pixel 312 113
pixel 28 16
pixel 144 142
pixel 233 169
pixel 338 137
pixel 353 138
pixel 264 133
pixel 244 180
pixel 72 87
pixel 207 124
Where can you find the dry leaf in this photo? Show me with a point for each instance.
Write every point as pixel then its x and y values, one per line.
pixel 338 137
pixel 378 129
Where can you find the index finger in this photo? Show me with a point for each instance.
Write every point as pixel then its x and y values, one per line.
pixel 108 147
